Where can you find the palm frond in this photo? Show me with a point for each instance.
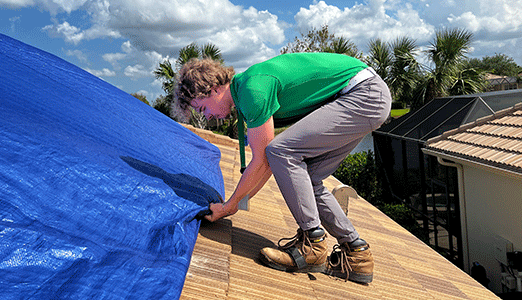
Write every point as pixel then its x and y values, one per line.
pixel 211 51
pixel 166 74
pixel 342 45
pixel 187 53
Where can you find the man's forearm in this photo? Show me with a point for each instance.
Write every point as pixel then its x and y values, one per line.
pixel 253 179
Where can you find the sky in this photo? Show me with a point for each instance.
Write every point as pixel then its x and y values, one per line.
pixel 123 41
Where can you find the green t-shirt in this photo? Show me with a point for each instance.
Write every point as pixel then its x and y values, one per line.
pixel 291 85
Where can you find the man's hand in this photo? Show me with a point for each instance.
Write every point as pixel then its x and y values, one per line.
pixel 221 210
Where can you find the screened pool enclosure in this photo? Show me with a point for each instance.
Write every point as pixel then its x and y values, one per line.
pixel 420 181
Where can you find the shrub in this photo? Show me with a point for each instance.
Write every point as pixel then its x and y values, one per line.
pixel 359 171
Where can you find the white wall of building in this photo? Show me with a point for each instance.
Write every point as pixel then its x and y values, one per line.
pixel 494 216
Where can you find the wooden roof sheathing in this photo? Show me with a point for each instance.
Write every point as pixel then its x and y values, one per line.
pixel 225 262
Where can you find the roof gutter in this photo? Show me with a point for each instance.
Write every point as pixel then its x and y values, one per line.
pixel 464 161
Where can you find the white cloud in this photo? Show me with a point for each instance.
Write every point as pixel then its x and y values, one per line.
pixel 494 16
pixel 496 24
pixel 489 20
pixel 53 6
pixel 362 23
pixel 56 6
pixel 101 73
pixel 144 61
pixel 65 30
pixel 137 71
pixel 16 3
pixel 75 35
pixel 152 30
pixel 114 58
pixel 78 54
pixel 164 26
pixel 127 47
pixel 151 97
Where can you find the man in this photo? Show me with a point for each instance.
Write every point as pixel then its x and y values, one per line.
pixel 334 100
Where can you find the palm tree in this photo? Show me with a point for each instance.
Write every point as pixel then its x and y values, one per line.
pixel 395 62
pixel 405 71
pixel 468 81
pixel 449 75
pixel 380 57
pixel 447 53
pixel 187 53
pixel 342 45
pixel 194 51
pixel 212 51
pixel 166 74
pixel 321 40
pixel 164 104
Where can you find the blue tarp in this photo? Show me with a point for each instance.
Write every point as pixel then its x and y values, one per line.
pixel 98 191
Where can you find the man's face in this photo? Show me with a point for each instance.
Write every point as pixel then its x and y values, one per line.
pixel 212 106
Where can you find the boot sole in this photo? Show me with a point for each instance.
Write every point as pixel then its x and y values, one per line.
pixel 352 276
pixel 308 269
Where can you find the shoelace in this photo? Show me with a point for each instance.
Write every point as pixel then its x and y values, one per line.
pixel 299 236
pixel 342 261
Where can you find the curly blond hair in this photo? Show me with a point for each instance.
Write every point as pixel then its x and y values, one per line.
pixel 197 77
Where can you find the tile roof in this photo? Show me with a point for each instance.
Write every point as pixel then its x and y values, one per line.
pixel 225 262
pixel 495 140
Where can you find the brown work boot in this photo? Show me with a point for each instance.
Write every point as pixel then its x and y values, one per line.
pixel 305 252
pixel 351 261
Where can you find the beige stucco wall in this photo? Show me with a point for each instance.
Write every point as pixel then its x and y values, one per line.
pixel 493 212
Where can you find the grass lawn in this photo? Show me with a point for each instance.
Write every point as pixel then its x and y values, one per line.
pixel 395 113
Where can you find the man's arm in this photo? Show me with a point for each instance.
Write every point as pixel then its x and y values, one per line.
pixel 255 175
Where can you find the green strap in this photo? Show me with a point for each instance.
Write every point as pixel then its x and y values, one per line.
pixel 241 134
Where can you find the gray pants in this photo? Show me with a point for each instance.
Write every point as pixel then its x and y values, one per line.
pixel 313 148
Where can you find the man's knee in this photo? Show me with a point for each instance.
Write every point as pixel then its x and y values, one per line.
pixel 272 152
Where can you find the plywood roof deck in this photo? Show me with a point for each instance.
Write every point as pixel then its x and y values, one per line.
pixel 225 262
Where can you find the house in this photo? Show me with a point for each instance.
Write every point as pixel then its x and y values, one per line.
pixel 419 180
pixel 225 262
pixel 502 83
pixel 487 155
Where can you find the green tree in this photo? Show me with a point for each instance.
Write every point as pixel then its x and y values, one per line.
pixel 164 72
pixel 395 62
pixel 322 41
pixel 498 64
pixel 405 71
pixel 194 51
pixel 468 81
pixel 166 75
pixel 141 97
pixel 380 57
pixel 447 54
pixel 163 104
